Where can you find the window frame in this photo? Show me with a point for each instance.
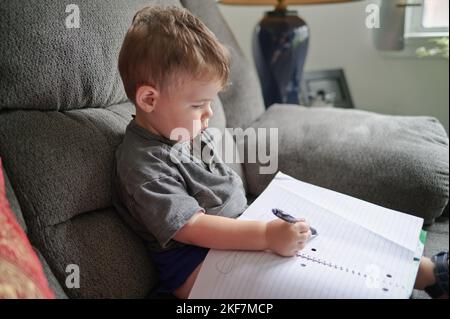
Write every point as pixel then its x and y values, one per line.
pixel 413 23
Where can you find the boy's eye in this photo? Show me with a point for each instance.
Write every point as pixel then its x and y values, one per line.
pixel 202 105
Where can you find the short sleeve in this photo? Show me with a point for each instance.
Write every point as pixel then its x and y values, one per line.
pixel 164 206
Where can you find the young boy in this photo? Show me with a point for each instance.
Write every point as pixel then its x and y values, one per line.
pixel 172 67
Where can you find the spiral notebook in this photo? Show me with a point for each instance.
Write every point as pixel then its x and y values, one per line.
pixel 362 250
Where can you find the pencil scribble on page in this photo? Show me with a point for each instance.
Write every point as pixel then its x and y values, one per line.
pixel 226 264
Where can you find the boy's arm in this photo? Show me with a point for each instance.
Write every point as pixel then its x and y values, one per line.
pixel 223 233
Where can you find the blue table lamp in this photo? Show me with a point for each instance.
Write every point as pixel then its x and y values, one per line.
pixel 280 44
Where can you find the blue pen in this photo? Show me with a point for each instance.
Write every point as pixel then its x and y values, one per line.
pixel 291 219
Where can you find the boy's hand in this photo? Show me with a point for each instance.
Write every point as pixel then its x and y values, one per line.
pixel 287 239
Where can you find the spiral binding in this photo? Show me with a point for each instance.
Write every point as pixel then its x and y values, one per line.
pixel 349 270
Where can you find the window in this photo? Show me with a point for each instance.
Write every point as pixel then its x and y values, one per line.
pixel 427 18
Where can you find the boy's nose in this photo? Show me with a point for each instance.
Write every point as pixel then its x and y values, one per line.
pixel 209 113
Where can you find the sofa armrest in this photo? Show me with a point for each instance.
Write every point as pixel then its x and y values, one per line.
pixel 399 162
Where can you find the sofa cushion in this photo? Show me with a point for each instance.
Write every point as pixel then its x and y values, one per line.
pixel 21 274
pixel 47 66
pixel 60 163
pixel 113 261
pixel 242 101
pixel 400 162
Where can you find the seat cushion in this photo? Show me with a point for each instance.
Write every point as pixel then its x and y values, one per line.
pixel 112 260
pixel 400 162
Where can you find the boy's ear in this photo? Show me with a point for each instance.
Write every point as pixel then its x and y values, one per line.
pixel 146 96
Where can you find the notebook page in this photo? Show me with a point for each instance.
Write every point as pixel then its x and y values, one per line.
pixel 340 242
pixel 376 218
pixel 250 275
pixel 347 261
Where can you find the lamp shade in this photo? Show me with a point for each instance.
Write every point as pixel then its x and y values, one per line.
pixel 275 2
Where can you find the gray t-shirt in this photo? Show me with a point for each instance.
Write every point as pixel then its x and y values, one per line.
pixel 159 184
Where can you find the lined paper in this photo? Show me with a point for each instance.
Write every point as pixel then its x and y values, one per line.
pixel 373 217
pixel 349 259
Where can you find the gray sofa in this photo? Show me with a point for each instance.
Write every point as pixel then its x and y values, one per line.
pixel 63 112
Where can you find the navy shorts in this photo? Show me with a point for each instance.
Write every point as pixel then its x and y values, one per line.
pixel 175 266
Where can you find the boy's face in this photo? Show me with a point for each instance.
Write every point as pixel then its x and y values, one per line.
pixel 188 108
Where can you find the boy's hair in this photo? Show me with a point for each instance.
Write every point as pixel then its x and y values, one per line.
pixel 167 45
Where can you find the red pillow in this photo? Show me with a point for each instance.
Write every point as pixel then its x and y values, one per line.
pixel 21 274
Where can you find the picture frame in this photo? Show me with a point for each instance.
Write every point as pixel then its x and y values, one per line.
pixel 325 88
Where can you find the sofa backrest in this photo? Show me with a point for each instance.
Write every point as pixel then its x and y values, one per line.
pixel 46 65
pixel 49 64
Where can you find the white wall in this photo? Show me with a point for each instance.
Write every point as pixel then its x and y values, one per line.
pixel 378 82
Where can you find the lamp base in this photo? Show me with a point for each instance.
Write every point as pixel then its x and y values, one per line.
pixel 280 44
